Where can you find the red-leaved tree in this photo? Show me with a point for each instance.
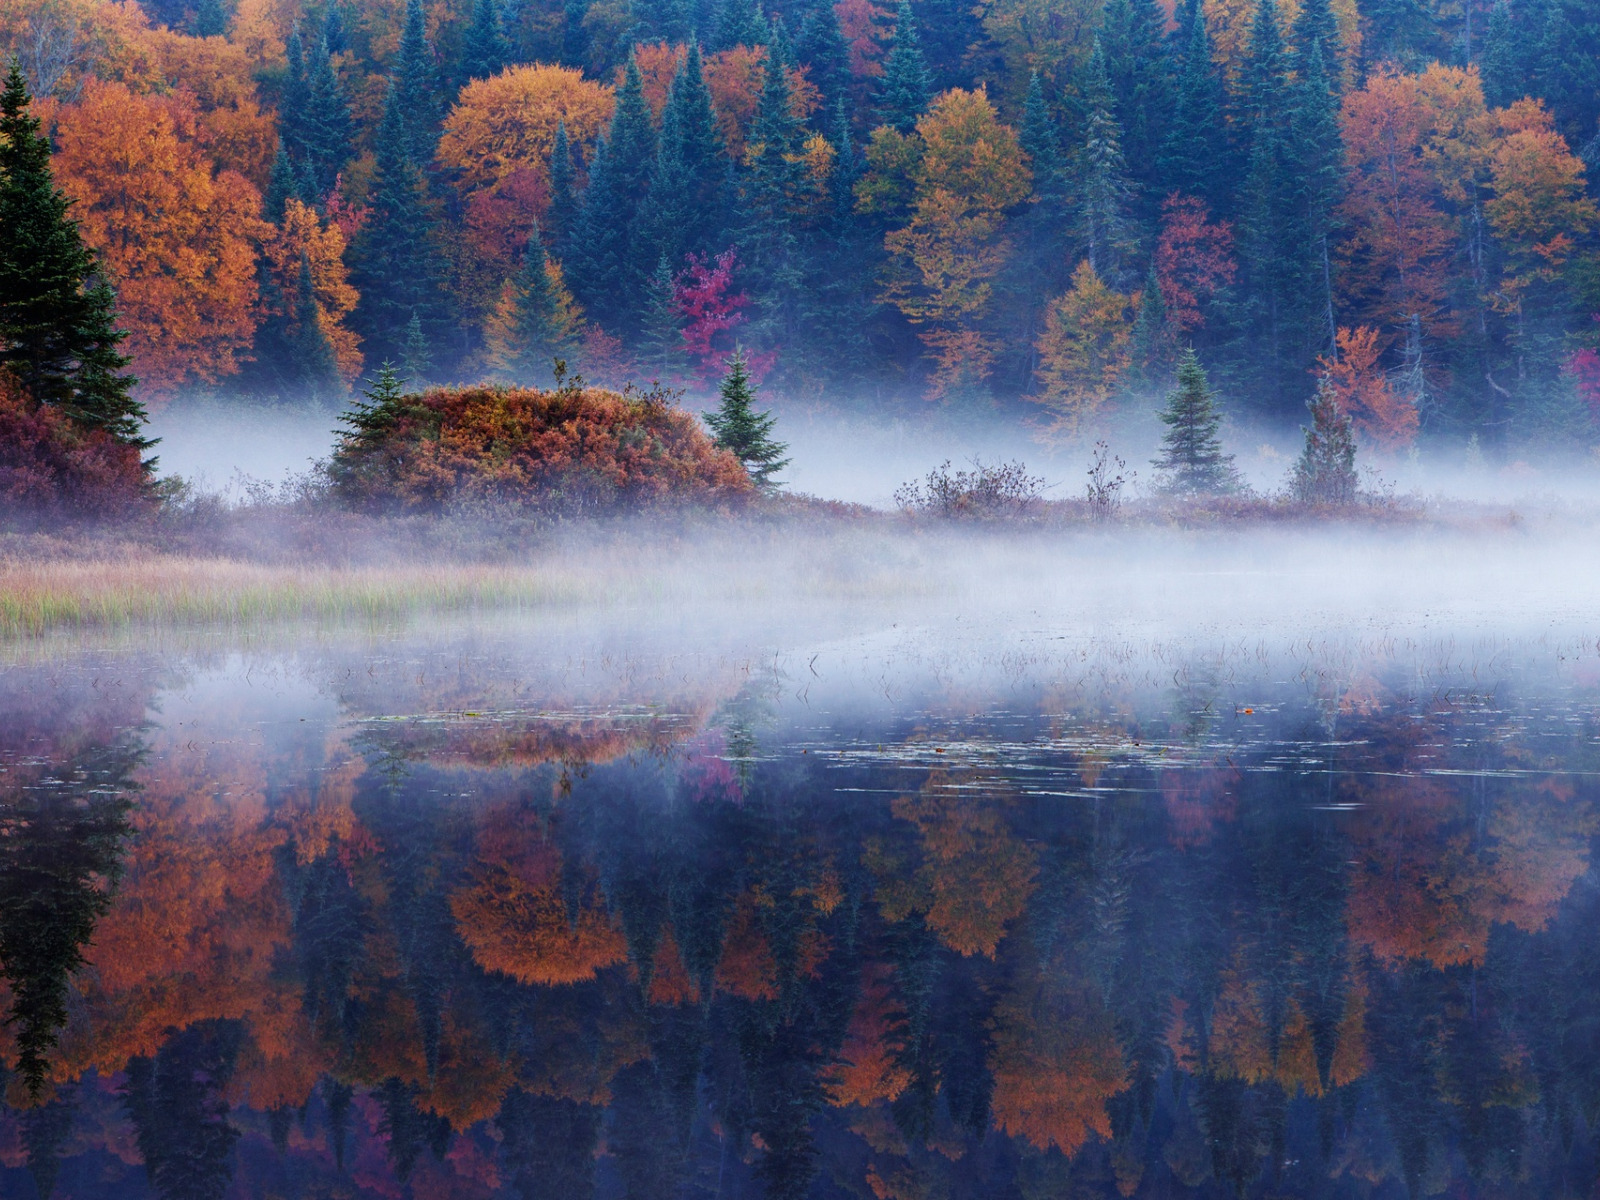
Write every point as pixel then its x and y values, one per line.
pixel 704 297
pixel 1194 260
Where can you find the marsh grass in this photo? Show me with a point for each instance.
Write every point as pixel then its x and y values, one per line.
pixel 40 597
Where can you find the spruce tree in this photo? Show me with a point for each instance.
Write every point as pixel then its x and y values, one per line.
pixel 282 186
pixel 58 332
pixel 741 430
pixel 484 49
pixel 414 353
pixel 563 211
pixel 316 369
pixel 417 78
pixel 325 127
pixel 1195 158
pixel 1191 460
pixel 661 341
pixel 687 202
pixel 540 329
pixel 1041 141
pixel 597 249
pixel 740 23
pixel 333 30
pixel 906 82
pixel 1325 473
pixel 1152 340
pixel 210 20
pixel 1315 25
pixel 1500 64
pixel 1139 72
pixel 767 241
pixel 296 97
pixel 1105 197
pixel 631 139
pixel 822 50
pixel 397 267
pixel 1317 160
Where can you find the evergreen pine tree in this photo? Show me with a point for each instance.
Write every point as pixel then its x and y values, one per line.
pixel 631 140
pixel 1500 65
pixel 598 247
pixel 1041 141
pixel 333 30
pixel 484 49
pixel 414 353
pixel 743 431
pixel 1139 72
pixel 563 211
pixel 210 20
pixel 1315 25
pixel 767 240
pixel 58 332
pixel 686 203
pixel 906 82
pixel 1152 340
pixel 281 188
pixel 822 50
pixel 315 367
pixel 1105 196
pixel 1191 458
pixel 661 343
pixel 296 97
pixel 846 167
pixel 1195 157
pixel 417 78
pixel 739 23
pixel 1317 160
pixel 397 268
pixel 540 326
pixel 325 126
pixel 1325 473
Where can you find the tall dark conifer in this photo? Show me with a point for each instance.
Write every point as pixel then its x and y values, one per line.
pixel 686 206
pixel 296 95
pixel 484 49
pixel 417 77
pixel 325 126
pixel 906 81
pixel 767 240
pixel 563 211
pixel 1195 157
pixel 1104 195
pixel 58 331
pixel 1139 72
pixel 1500 64
pixel 598 247
pixel 739 23
pixel 822 50
pixel 281 188
pixel 1315 25
pixel 1317 159
pixel 398 272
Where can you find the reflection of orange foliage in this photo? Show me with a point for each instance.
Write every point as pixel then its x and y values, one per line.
pixel 747 968
pixel 1197 801
pixel 976 876
pixel 867 1072
pixel 514 917
pixel 1430 886
pixel 1056 1062
pixel 670 982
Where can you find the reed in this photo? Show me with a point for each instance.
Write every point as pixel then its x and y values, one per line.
pixel 40 597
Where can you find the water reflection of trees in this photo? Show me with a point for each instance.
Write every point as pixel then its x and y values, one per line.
pixel 580 960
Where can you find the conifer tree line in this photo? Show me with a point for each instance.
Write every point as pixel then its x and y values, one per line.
pixel 980 208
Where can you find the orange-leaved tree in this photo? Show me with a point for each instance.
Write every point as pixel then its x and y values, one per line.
pixel 302 233
pixel 176 235
pixel 1194 260
pixel 1385 419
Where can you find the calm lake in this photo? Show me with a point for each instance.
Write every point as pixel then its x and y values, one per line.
pixel 762 904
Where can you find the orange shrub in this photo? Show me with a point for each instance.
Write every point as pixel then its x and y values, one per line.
pixel 571 450
pixel 48 465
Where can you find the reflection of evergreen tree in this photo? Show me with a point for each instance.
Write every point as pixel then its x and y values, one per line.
pixel 548 1145
pixel 60 852
pixel 178 1104
pixel 330 930
pixel 44 1130
pixel 407 1128
pixel 339 1097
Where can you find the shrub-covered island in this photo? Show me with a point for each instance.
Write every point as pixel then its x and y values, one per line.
pixel 571 450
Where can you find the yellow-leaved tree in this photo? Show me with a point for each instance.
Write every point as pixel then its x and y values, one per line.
pixel 969 171
pixel 1084 349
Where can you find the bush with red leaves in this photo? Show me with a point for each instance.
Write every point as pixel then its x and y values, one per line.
pixel 571 451
pixel 51 467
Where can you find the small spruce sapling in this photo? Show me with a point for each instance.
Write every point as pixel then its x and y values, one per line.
pixel 742 430
pixel 414 351
pixel 1191 459
pixel 1325 473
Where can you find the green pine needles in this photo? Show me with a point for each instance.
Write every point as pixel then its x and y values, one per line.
pixel 1192 461
pixel 743 431
pixel 58 321
pixel 1325 473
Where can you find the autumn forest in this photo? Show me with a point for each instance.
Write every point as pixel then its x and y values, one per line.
pixel 1020 207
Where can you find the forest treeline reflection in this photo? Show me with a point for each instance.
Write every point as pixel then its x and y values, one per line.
pixel 1342 947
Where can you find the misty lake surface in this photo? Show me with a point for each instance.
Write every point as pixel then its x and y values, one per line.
pixel 734 905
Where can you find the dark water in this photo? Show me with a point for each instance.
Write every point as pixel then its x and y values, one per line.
pixel 898 916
